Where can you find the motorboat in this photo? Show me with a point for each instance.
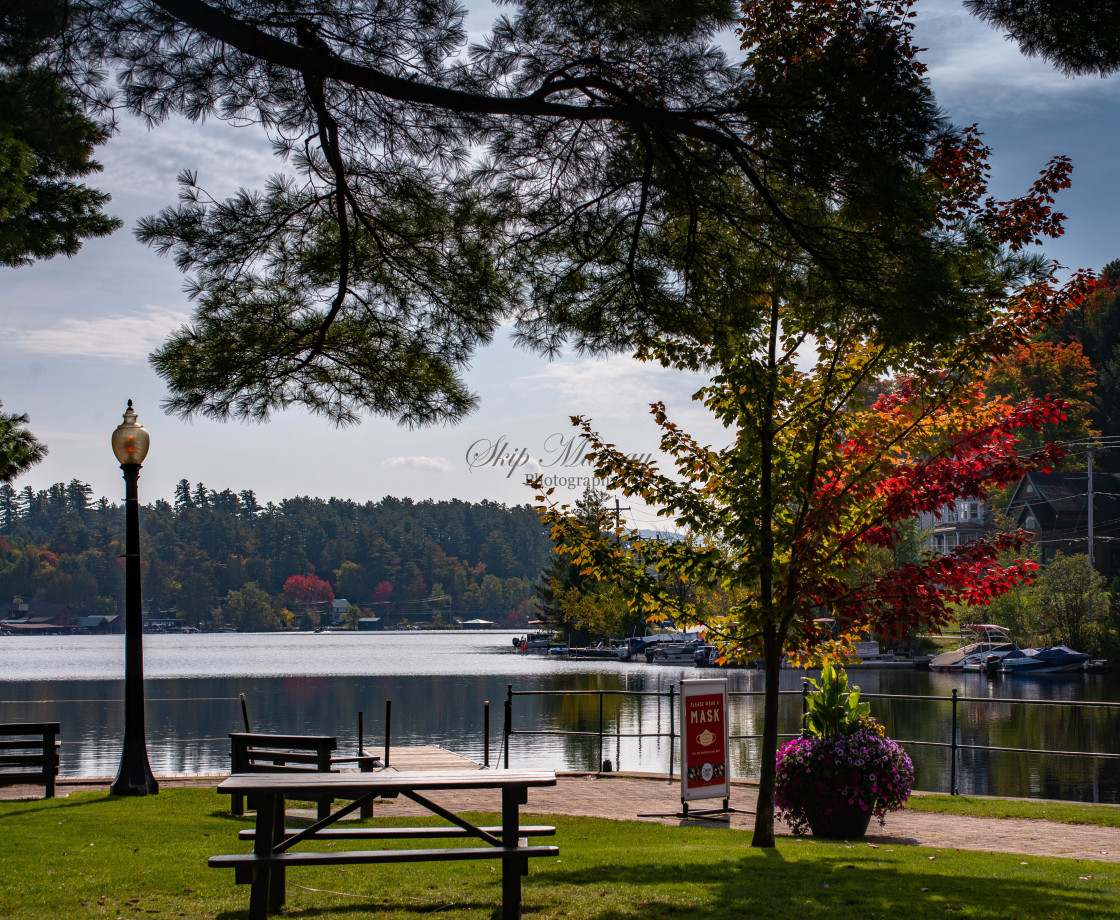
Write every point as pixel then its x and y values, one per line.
pixel 1054 659
pixel 539 641
pixel 983 647
pixel 636 647
pixel 675 652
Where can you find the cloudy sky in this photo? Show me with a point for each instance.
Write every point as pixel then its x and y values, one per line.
pixel 75 334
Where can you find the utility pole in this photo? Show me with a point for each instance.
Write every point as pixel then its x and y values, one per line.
pixel 1089 466
pixel 1089 469
pixel 618 517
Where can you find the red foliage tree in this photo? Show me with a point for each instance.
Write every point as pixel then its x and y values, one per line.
pixel 306 590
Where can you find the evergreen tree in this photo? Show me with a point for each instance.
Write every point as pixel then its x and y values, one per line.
pixel 19 450
pixel 46 141
pixel 1077 38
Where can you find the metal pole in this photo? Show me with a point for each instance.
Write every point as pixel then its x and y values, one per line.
pixel 244 711
pixel 388 728
pixel 804 705
pixel 600 729
pixel 486 733
pixel 134 776
pixel 508 729
pixel 672 735
pixel 953 750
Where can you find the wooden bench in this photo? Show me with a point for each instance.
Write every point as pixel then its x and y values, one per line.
pixel 265 867
pixel 256 752
pixel 29 754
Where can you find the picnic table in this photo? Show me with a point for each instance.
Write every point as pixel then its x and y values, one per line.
pixel 264 868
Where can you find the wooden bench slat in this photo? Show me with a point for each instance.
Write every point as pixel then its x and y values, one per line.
pixel 261 760
pixel 37 745
pixel 345 857
pixel 308 742
pixel 26 760
pixel 404 833
pixel 30 728
pixel 29 744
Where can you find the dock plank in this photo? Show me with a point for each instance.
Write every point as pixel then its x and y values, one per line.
pixel 426 757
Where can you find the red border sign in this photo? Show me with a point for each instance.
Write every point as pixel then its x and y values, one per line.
pixel 705 770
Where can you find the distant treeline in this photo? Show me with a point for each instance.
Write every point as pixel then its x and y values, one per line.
pixel 60 545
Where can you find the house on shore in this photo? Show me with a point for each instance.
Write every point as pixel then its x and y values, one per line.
pixel 1055 508
pixel 31 618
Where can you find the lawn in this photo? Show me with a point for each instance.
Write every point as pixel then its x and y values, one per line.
pixel 1066 812
pixel 98 856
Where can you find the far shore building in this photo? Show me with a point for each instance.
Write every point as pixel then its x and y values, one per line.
pixel 36 618
pixel 1052 506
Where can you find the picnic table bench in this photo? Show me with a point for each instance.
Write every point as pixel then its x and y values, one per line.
pixel 258 752
pixel 264 868
pixel 29 754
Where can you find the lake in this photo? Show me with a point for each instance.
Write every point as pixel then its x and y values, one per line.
pixel 317 683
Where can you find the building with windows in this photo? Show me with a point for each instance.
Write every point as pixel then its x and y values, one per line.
pixel 955 524
pixel 1055 508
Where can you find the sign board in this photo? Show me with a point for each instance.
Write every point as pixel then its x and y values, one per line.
pixel 705 771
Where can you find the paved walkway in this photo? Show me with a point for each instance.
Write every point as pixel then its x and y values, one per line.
pixel 622 796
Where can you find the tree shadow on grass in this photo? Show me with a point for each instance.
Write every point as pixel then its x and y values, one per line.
pixel 850 884
pixel 370 908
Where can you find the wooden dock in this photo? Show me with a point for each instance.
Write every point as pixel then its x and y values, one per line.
pixel 425 757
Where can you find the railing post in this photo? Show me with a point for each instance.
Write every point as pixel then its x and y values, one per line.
pixel 600 731
pixel 508 730
pixel 804 704
pixel 244 711
pixel 361 735
pixel 388 728
pixel 486 733
pixel 953 750
pixel 672 731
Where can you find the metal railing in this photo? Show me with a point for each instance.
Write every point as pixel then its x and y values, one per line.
pixel 954 745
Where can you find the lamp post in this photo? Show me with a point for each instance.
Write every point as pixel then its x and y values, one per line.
pixel 134 776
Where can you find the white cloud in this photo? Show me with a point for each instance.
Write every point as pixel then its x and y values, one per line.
pixel 973 66
pixel 614 387
pixel 427 464
pixel 120 337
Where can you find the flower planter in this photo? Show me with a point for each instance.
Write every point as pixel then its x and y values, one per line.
pixel 845 823
pixel 815 774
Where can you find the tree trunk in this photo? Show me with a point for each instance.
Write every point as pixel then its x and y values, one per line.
pixel 764 809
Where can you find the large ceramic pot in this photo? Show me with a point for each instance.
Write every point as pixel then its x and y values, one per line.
pixel 846 823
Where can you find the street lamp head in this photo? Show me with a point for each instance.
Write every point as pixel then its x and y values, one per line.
pixel 130 440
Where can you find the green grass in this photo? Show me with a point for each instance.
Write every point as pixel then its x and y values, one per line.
pixel 96 856
pixel 1066 812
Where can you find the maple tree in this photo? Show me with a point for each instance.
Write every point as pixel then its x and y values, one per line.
pixel 1039 369
pixel 306 590
pixel 817 474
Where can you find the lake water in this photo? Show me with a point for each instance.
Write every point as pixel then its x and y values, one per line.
pixel 438 682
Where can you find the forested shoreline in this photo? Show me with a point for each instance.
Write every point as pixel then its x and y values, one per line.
pixel 220 559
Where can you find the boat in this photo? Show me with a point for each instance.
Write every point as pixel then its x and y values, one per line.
pixel 1054 659
pixel 538 641
pixel 599 651
pixel 636 647
pixel 675 652
pixel 983 647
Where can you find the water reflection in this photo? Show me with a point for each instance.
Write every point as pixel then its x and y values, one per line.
pixel 438 683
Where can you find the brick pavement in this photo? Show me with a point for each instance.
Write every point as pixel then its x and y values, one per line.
pixel 622 796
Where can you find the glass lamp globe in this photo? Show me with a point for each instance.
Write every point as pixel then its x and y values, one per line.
pixel 130 440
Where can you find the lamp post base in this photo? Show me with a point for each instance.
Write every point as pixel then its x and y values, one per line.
pixel 134 776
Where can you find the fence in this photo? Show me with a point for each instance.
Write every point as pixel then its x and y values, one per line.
pixel 954 745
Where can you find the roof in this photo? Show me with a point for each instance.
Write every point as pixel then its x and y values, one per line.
pixel 1060 500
